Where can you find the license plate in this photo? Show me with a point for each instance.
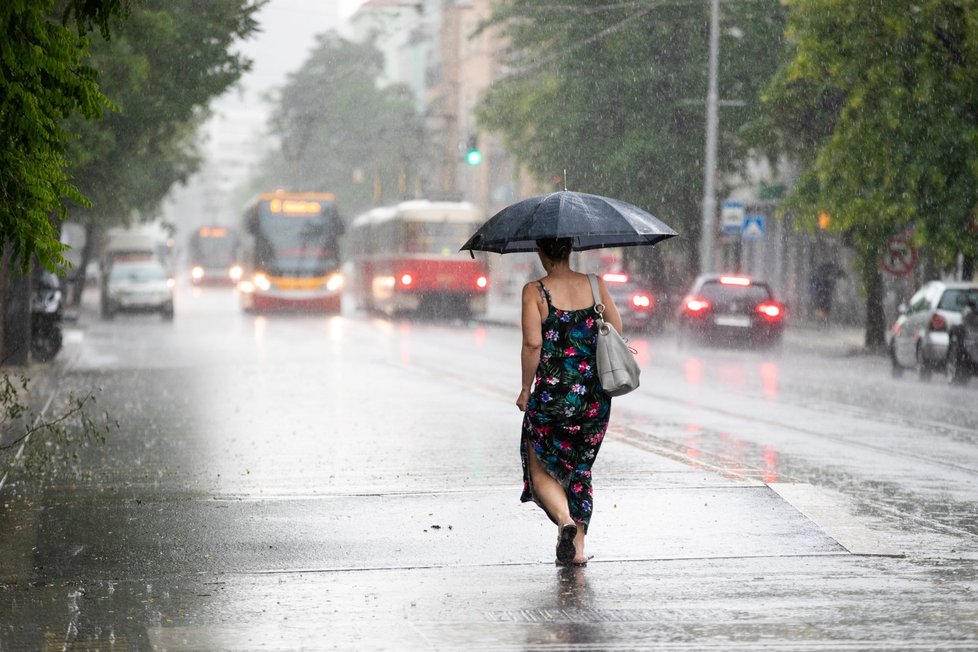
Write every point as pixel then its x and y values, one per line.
pixel 732 320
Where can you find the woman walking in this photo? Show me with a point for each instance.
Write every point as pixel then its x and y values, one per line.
pixel 566 410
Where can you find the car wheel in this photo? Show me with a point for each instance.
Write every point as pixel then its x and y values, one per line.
pixel 682 337
pixel 955 372
pixel 896 371
pixel 924 370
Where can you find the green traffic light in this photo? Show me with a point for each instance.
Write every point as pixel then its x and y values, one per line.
pixel 474 157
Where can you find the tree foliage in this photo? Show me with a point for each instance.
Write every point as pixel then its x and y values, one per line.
pixel 45 77
pixel 883 99
pixel 161 69
pixel 339 132
pixel 615 93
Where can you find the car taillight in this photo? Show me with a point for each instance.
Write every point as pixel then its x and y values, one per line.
pixel 406 279
pixel 696 305
pixel 938 323
pixel 641 301
pixel 770 310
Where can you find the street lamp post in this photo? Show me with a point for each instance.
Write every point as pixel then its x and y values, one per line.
pixel 708 226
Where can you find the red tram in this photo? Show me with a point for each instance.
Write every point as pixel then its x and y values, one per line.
pixel 405 259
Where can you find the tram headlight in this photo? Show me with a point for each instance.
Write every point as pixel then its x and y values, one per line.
pixel 482 282
pixel 334 282
pixel 261 282
pixel 235 273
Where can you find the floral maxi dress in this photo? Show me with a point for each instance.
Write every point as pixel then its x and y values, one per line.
pixel 567 414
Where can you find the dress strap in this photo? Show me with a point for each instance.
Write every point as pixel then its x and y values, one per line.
pixel 545 292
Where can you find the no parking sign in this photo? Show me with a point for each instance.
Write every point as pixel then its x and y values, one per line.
pixel 899 257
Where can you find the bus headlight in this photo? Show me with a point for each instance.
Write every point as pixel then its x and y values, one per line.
pixel 261 282
pixel 235 273
pixel 334 282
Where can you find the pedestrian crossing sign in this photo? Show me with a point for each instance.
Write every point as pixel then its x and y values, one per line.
pixel 753 228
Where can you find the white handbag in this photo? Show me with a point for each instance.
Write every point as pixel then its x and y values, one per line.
pixel 617 368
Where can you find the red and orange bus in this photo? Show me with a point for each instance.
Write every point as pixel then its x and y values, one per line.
pixel 405 259
pixel 292 253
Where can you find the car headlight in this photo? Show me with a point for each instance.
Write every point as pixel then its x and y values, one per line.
pixel 197 273
pixel 235 273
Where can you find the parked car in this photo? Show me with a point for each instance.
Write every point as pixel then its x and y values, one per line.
pixel 138 286
pixel 920 337
pixel 635 304
pixel 731 309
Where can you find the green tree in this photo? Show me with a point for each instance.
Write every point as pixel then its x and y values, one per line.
pixel 161 69
pixel 340 133
pixel 879 100
pixel 45 77
pixel 615 94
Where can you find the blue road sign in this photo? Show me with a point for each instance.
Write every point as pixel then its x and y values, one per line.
pixel 753 228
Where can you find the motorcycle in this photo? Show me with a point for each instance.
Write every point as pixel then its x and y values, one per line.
pixel 46 315
pixel 962 350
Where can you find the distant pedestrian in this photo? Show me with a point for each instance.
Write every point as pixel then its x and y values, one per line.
pixel 823 290
pixel 566 410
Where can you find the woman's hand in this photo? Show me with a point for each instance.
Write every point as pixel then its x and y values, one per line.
pixel 523 399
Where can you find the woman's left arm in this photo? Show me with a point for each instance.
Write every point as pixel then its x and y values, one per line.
pixel 532 342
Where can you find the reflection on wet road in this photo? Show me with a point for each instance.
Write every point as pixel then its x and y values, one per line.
pixel 288 482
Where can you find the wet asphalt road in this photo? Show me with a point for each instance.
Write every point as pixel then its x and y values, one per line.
pixel 349 482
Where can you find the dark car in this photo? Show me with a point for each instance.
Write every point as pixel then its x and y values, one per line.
pixel 920 338
pixel 962 348
pixel 635 303
pixel 728 309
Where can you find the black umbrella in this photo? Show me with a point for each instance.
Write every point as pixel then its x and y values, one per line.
pixel 592 221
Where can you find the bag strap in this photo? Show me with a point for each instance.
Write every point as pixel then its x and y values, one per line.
pixel 596 295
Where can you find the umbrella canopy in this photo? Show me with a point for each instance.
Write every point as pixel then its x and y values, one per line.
pixel 593 221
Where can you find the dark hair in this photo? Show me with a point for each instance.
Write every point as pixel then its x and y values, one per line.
pixel 557 249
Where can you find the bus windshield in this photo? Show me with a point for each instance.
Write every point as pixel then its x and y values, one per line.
pixel 304 245
pixel 435 237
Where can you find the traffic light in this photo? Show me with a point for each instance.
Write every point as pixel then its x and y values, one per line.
pixel 472 154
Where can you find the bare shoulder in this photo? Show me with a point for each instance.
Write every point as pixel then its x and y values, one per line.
pixel 532 291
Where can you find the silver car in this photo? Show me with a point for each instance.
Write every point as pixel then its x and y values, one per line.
pixel 919 338
pixel 138 286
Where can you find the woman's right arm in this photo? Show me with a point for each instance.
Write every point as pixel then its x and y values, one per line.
pixel 532 326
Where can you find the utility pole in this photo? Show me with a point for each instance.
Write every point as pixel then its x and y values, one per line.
pixel 708 226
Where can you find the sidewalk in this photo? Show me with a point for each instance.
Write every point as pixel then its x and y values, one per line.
pixel 834 340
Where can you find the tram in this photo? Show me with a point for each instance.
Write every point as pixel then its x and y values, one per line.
pixel 405 259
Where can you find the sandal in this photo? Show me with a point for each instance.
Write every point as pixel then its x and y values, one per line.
pixel 565 545
pixel 574 564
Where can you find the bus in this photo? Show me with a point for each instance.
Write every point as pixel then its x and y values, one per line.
pixel 405 259
pixel 292 253
pixel 213 255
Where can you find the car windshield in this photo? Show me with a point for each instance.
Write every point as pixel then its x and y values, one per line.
pixel 137 273
pixel 716 291
pixel 956 299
